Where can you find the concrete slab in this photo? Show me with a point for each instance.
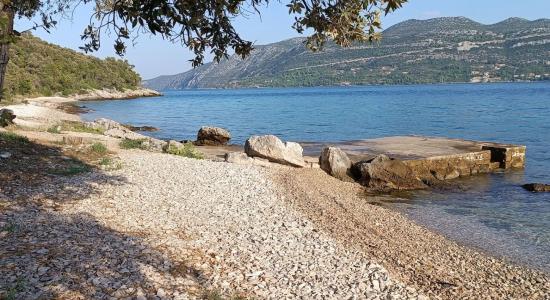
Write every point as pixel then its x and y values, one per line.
pixel 404 147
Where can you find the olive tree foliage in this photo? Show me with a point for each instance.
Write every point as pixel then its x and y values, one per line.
pixel 203 25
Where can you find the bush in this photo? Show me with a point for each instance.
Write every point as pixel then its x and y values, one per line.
pixel 37 68
pixel 187 150
pixel 132 144
pixel 54 129
pixel 99 148
pixel 11 137
pixel 80 127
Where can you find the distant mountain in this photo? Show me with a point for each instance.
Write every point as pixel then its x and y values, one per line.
pixel 451 49
pixel 38 68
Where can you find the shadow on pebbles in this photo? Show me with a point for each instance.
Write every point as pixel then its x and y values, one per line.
pixel 170 227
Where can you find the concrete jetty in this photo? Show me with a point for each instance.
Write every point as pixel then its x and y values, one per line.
pixel 444 158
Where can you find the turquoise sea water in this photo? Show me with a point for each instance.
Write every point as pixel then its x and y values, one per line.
pixel 493 214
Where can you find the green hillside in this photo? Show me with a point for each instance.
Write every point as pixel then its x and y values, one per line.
pixel 37 68
pixel 452 49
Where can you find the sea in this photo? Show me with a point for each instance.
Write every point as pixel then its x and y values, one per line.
pixel 492 214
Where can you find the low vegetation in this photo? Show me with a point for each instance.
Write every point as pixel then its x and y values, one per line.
pixel 131 144
pixel 99 148
pixel 10 137
pixel 75 168
pixel 187 150
pixel 38 68
pixel 79 127
pixel 54 129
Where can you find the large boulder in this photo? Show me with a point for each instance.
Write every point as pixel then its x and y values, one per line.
pixel 385 174
pixel 336 163
pixel 212 136
pixel 6 117
pixel 537 187
pixel 273 149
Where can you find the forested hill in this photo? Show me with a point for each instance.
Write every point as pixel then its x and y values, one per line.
pixel 37 68
pixel 453 49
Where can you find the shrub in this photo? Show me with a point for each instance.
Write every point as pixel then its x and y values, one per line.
pixel 99 148
pixel 54 129
pixel 11 137
pixel 187 150
pixel 132 144
pixel 80 127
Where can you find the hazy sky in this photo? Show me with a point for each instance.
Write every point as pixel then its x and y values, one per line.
pixel 153 56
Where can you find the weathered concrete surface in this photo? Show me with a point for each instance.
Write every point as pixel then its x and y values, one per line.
pixel 439 158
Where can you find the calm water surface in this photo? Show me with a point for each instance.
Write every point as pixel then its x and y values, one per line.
pixel 494 214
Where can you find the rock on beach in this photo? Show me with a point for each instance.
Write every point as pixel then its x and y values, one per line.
pixel 273 149
pixel 383 174
pixel 213 136
pixel 336 163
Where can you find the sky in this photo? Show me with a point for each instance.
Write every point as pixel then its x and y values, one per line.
pixel 153 56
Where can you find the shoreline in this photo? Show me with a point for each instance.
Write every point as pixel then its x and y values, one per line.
pixel 362 85
pixel 415 257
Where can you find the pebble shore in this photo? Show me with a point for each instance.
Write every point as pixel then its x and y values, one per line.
pixel 169 227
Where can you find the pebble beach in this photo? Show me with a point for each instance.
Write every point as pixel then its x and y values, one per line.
pixel 168 227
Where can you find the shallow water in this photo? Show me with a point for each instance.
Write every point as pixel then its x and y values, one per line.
pixel 493 214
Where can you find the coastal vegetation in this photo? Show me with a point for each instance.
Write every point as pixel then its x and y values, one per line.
pixel 199 25
pixel 38 68
pixel 186 150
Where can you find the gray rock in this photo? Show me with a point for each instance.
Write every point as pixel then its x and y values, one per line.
pixel 6 117
pixel 213 136
pixel 5 155
pixel 172 144
pixel 123 133
pixel 105 124
pixel 156 145
pixel 273 149
pixel 238 158
pixel 336 163
pixel 384 174
pixel 537 187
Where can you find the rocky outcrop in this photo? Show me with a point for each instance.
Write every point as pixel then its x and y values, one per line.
pixel 385 174
pixel 114 129
pixel 212 136
pixel 336 163
pixel 6 117
pixel 141 128
pixel 273 149
pixel 104 124
pixel 537 187
pixel 112 94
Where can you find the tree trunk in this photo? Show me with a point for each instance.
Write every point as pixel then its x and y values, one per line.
pixel 6 34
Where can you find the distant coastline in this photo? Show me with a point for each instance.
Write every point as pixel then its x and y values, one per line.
pixel 357 85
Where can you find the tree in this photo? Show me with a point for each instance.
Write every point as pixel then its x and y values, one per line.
pixel 199 25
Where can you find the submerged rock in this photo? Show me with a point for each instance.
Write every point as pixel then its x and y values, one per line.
pixel 383 174
pixel 273 149
pixel 141 128
pixel 6 117
pixel 213 136
pixel 336 163
pixel 537 187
